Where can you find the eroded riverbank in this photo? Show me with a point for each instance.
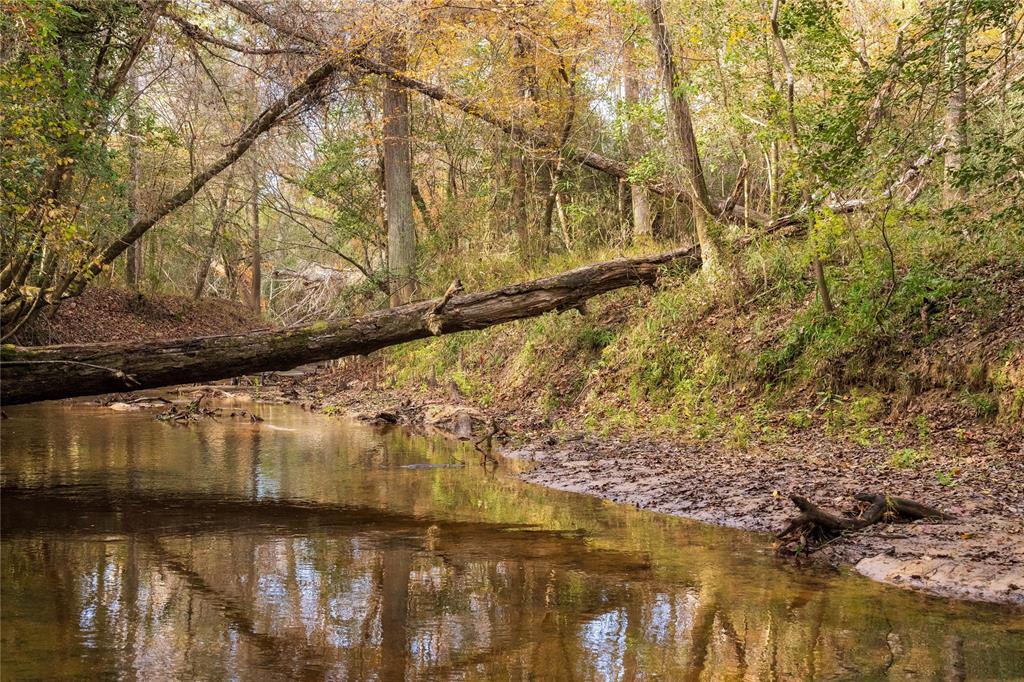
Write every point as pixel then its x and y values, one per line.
pixel 978 476
pixel 979 555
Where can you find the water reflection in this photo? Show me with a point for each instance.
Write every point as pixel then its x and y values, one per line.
pixel 302 548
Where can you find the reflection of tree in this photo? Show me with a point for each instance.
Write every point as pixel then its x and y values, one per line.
pixel 287 654
pixel 130 597
pixel 358 668
pixel 956 670
pixel 397 563
pixel 251 582
pixel 700 634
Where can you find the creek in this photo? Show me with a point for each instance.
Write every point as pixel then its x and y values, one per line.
pixel 307 547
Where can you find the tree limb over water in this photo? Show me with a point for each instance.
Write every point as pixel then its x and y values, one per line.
pixel 29 374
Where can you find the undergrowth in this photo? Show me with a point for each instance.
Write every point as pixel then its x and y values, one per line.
pixel 704 357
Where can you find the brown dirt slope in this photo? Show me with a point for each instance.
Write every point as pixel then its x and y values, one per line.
pixel 105 314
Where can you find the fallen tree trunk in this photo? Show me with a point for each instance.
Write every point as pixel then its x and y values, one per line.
pixel 28 374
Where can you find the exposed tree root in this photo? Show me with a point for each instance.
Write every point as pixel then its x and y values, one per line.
pixel 814 527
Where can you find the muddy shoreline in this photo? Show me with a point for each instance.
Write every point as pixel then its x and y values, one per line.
pixel 978 477
pixel 978 556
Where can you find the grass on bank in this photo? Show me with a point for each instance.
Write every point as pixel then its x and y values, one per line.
pixel 706 357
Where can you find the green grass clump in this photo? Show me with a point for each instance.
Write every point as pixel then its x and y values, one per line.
pixel 906 458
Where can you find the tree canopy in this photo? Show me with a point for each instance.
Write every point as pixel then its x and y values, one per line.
pixel 213 140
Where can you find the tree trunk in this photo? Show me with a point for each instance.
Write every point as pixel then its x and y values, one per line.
pixel 556 170
pixel 816 265
pixel 683 141
pixel 643 218
pixel 19 308
pixel 133 258
pixel 622 192
pixel 956 100
pixel 45 373
pixel 256 254
pixel 421 206
pixel 679 224
pixel 563 221
pixel 526 88
pixel 215 228
pixel 520 218
pixel 398 182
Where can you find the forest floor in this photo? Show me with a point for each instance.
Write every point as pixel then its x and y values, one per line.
pixel 108 314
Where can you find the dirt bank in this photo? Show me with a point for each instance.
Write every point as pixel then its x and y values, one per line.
pixel 977 556
pixel 105 314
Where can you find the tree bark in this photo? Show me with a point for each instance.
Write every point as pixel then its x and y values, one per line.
pixel 814 520
pixel 956 101
pixel 557 169
pixel 421 206
pixel 520 218
pixel 133 258
pixel 678 224
pixel 526 88
pixel 50 372
pixel 622 192
pixel 215 228
pixel 643 219
pixel 683 141
pixel 398 182
pixel 256 254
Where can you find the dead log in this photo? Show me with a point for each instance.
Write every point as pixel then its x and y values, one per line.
pixel 901 507
pixel 814 526
pixel 813 515
pixel 29 374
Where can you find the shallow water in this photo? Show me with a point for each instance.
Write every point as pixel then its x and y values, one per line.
pixel 304 547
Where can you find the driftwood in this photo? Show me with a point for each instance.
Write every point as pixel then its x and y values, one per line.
pixel 50 372
pixel 814 525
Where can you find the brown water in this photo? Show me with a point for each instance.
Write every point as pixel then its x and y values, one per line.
pixel 303 548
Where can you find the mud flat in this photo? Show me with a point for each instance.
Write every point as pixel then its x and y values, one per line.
pixel 977 556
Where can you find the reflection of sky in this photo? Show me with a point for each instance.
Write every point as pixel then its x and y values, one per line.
pixel 659 617
pixel 347 610
pixel 267 486
pixel 271 587
pixel 605 638
pixel 86 624
pixel 309 590
pixel 426 648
